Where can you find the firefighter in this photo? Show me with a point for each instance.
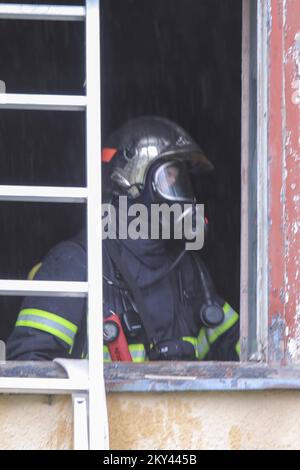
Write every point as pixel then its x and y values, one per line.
pixel 159 299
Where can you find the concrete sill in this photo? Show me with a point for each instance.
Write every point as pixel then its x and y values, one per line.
pixel 172 376
pixel 32 370
pixel 204 376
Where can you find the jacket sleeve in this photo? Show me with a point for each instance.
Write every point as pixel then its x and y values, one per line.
pixel 47 327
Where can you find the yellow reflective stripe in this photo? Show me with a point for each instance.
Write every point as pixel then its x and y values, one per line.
pixel 46 328
pixel 138 352
pixel 238 348
pixel 203 344
pixel 106 354
pixel 226 308
pixel 231 317
pixel 48 322
pixel 33 271
pixel 190 339
pixel 200 344
pixel 50 316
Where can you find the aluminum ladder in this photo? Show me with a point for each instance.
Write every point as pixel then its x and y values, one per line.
pixel 85 377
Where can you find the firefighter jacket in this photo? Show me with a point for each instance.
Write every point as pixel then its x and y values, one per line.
pixel 51 327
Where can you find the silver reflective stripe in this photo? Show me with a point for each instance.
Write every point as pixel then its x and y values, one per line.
pixel 230 318
pixel 2 351
pixel 46 324
pixel 202 344
pixel 137 351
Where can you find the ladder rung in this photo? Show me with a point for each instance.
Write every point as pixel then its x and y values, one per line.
pixel 37 385
pixel 42 102
pixel 42 194
pixel 42 12
pixel 43 288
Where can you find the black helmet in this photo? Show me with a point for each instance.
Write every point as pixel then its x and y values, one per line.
pixel 142 142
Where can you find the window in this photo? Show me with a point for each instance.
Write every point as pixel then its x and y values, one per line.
pixel 183 60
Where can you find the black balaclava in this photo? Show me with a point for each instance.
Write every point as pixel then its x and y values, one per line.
pixel 149 260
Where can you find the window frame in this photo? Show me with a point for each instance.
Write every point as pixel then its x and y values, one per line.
pixel 263 363
pixel 253 372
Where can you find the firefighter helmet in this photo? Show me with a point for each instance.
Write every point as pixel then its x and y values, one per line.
pixel 139 143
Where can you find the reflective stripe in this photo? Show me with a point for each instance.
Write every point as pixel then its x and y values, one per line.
pixel 138 352
pixel 106 355
pixel 200 344
pixel 48 322
pixel 231 317
pixel 203 344
pixel 238 348
pixel 33 271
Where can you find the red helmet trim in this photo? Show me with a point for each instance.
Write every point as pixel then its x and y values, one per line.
pixel 107 154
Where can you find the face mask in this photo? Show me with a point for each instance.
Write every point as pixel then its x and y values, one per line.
pixel 169 184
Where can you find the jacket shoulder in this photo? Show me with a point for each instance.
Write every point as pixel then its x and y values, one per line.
pixel 66 261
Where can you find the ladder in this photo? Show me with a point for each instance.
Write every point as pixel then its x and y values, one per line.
pixel 85 380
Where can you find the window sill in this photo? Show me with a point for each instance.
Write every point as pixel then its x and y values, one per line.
pixel 172 376
pixel 193 377
pixel 32 370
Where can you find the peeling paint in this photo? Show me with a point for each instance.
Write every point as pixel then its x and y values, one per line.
pixel 286 297
pixel 296 81
pixel 284 171
pixel 288 138
pixel 287 330
pixel 293 345
pixel 276 339
pixel 296 226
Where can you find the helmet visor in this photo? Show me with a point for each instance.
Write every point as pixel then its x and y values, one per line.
pixel 173 183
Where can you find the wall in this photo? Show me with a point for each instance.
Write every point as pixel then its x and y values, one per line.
pixel 284 176
pixel 35 422
pixel 257 420
pixel 250 420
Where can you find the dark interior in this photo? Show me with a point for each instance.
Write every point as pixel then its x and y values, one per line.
pixel 176 58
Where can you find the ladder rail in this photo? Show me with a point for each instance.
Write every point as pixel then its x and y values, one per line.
pixel 42 12
pixel 43 194
pixel 42 386
pixel 92 384
pixel 42 102
pixel 98 421
pixel 43 288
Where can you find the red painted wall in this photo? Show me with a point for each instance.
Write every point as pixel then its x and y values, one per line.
pixel 284 180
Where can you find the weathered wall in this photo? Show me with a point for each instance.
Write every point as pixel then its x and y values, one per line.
pixel 284 177
pixel 35 422
pixel 250 420
pixel 257 420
